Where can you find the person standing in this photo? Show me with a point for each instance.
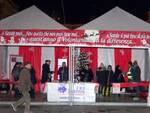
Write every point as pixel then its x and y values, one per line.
pixel 118 75
pixel 130 72
pixel 16 71
pixel 88 74
pixel 33 80
pixel 24 86
pixel 46 73
pixel 101 77
pixel 63 73
pixel 109 76
pixel 137 78
pixel 137 72
pixel 15 74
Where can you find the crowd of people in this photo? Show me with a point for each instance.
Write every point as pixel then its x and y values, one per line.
pixel 105 76
pixel 24 76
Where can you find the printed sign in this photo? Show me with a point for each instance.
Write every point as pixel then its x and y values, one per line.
pixel 116 88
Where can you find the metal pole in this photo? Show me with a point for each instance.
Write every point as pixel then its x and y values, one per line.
pixel 71 52
pixel 148 98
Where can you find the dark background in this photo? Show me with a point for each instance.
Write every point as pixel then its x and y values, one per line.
pixel 83 11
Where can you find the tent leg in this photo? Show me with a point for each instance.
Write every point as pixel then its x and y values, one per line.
pixel 148 98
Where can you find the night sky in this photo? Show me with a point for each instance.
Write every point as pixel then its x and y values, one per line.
pixel 83 11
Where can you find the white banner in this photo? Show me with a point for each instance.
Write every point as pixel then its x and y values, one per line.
pixel 77 92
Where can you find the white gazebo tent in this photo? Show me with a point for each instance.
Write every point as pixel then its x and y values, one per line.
pixel 30 18
pixel 34 26
pixel 118 19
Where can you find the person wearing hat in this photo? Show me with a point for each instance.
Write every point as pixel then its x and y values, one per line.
pixel 24 86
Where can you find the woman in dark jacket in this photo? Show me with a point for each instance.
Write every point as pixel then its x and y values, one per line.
pixel 86 74
pixel 118 76
pixel 101 77
pixel 109 80
pixel 46 74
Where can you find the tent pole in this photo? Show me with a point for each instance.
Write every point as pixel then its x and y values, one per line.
pixel 71 73
pixel 148 98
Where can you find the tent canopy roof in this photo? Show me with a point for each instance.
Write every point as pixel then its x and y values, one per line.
pixel 117 19
pixel 30 18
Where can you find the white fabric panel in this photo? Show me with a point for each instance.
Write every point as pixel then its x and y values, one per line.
pixel 147 74
pixel 3 60
pixel 48 53
pixel 106 56
pixel 140 56
pixel 12 50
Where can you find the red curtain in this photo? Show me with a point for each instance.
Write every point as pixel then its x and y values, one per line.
pixel 60 53
pixel 122 57
pixel 93 53
pixel 33 54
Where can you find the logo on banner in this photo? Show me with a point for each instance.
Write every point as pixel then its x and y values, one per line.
pixel 2 40
pixel 79 90
pixel 62 88
pixel 91 35
pixel 144 42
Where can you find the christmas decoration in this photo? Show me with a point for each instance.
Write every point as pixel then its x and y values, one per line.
pixel 82 61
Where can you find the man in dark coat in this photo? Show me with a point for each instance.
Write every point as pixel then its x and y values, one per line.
pixel 46 73
pixel 63 73
pixel 137 72
pixel 137 77
pixel 33 80
pixel 24 86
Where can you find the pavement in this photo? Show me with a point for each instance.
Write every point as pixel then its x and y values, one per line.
pixel 78 109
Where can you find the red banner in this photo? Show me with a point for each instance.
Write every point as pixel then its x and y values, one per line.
pixel 85 38
pixel 124 38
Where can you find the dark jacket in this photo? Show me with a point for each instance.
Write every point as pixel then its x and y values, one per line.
pixel 86 75
pixel 109 76
pixel 63 74
pixel 118 76
pixel 25 83
pixel 137 73
pixel 45 73
pixel 101 76
pixel 16 73
pixel 33 78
